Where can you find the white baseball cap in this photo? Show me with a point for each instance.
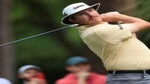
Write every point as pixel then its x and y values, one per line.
pixel 26 67
pixel 4 81
pixel 75 8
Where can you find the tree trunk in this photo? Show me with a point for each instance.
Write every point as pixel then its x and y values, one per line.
pixel 6 52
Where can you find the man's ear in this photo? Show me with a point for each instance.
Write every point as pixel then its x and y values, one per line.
pixel 20 76
pixel 69 68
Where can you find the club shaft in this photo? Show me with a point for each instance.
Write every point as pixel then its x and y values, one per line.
pixel 37 35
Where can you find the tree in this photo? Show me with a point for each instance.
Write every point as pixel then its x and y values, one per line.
pixel 6 53
pixel 142 11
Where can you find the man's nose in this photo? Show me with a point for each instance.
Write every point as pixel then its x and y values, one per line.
pixel 90 14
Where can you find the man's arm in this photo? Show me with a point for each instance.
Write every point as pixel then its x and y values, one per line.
pixel 133 23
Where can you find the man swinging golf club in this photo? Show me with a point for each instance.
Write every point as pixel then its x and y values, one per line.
pixel 125 57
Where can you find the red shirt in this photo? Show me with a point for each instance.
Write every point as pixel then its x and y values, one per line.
pixel 93 78
pixel 40 76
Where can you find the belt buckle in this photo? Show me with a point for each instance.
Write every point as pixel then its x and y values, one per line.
pixel 144 71
pixel 114 72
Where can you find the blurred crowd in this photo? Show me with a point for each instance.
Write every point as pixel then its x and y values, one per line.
pixel 78 67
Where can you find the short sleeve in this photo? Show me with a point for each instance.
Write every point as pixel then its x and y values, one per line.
pixel 113 33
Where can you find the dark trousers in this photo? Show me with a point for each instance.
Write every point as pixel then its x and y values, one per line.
pixel 128 78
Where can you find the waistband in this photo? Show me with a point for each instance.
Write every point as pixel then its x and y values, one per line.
pixel 129 71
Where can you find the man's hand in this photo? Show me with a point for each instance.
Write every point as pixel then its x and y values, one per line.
pixel 110 16
pixel 82 77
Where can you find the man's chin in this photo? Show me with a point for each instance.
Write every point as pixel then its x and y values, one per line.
pixel 95 22
pixel 26 79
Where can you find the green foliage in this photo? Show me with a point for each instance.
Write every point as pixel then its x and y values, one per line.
pixel 31 17
pixel 142 11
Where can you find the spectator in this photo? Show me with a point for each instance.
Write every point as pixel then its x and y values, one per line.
pixel 4 81
pixel 80 73
pixel 31 74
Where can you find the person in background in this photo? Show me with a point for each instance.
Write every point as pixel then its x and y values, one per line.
pixel 80 73
pixel 31 74
pixel 4 81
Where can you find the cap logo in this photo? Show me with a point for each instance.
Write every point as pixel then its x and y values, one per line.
pixel 78 6
pixel 65 14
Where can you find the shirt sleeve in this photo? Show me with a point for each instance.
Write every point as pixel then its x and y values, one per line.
pixel 63 81
pixel 113 33
pixel 58 82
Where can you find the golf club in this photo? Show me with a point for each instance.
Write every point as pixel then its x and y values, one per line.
pixel 40 34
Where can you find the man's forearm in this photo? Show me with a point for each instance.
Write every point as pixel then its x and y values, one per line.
pixel 116 16
pixel 138 24
pixel 135 24
pixel 127 19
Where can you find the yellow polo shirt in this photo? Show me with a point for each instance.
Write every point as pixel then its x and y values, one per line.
pixel 118 48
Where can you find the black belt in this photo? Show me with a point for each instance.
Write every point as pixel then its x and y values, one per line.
pixel 129 71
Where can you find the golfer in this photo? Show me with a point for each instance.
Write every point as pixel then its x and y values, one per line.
pixel 125 57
